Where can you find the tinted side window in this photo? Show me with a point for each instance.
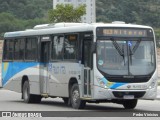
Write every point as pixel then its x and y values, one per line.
pixel 8 50
pixel 16 49
pixel 57 47
pixel 31 49
pixel 70 46
pixel 21 49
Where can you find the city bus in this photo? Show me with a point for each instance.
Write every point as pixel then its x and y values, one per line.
pixel 82 63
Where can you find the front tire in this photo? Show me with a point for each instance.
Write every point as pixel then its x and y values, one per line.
pixel 130 104
pixel 29 98
pixel 76 102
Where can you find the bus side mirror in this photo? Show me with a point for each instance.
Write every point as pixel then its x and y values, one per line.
pixel 93 47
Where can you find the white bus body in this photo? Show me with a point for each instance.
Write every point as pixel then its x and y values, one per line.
pixel 82 63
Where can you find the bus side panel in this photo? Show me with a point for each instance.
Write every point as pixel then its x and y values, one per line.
pixel 60 75
pixel 10 81
pixel 34 79
pixel 13 72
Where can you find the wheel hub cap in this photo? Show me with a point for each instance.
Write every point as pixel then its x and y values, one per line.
pixel 75 96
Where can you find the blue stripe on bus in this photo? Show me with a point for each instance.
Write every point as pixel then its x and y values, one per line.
pixel 9 69
pixel 116 85
pixel 112 85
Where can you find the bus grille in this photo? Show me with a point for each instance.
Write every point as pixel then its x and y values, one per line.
pixel 121 94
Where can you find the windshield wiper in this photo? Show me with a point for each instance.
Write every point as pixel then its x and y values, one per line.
pixel 120 51
pixel 131 52
pixel 135 47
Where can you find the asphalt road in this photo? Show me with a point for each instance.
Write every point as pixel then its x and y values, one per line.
pixel 11 101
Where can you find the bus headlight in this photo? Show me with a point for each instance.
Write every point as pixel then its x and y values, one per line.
pixel 152 85
pixel 101 82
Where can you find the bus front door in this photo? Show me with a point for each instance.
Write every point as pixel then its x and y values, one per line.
pixel 44 60
pixel 87 68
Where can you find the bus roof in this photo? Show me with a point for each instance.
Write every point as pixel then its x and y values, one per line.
pixel 47 29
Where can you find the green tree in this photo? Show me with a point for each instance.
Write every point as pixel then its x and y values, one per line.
pixel 66 13
pixel 146 12
pixel 26 9
pixel 9 23
pixel 157 33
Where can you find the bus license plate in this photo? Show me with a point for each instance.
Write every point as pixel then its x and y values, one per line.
pixel 128 97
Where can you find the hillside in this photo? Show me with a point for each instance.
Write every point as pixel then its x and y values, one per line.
pixel 26 9
pixel 131 11
pixel 22 14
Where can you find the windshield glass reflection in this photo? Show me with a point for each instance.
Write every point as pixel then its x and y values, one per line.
pixel 125 57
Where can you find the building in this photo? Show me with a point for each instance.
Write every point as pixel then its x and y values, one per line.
pixel 90 16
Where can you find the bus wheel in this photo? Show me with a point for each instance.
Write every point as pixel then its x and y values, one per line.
pixel 76 102
pixel 29 98
pixel 130 104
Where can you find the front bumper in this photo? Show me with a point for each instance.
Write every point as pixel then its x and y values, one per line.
pixel 109 94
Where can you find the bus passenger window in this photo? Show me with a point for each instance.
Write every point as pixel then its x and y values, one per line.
pixel 19 46
pixel 21 49
pixel 16 50
pixel 31 49
pixel 8 50
pixel 57 47
pixel 70 46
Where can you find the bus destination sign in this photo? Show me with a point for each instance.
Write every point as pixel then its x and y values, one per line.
pixel 122 32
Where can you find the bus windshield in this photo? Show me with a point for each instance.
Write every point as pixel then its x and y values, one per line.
pixel 128 56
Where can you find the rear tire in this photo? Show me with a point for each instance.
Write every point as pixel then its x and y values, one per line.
pixel 76 102
pixel 130 104
pixel 29 98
